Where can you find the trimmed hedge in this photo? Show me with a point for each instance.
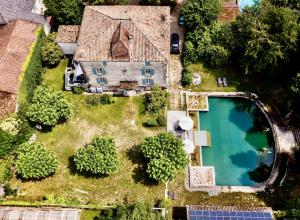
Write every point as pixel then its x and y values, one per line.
pixel 33 69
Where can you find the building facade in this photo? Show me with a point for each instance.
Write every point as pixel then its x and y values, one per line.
pixel 119 48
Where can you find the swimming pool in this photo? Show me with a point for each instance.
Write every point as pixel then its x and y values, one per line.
pixel 243 3
pixel 239 145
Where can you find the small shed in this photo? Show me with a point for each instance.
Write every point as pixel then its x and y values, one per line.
pixel 67 38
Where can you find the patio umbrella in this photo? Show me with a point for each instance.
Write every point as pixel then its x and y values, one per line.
pixel 188 146
pixel 186 123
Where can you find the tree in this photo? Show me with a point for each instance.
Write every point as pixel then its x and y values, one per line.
pixel 265 38
pixel 136 211
pixel 199 13
pixel 65 11
pixel 295 85
pixel 214 45
pixel 105 2
pixel 166 156
pixel 294 4
pixel 48 108
pixel 187 77
pixel 51 52
pixel 13 132
pixel 98 157
pixel 34 161
pixel 156 100
pixel 171 3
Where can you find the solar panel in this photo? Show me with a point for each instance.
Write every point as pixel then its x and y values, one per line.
pixel 228 215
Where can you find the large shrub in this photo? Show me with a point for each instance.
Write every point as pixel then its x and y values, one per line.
pixel 187 77
pixel 51 52
pixel 165 156
pixel 35 162
pixel 48 108
pixel 13 132
pixel 65 11
pixel 137 211
pixel 199 13
pixel 156 100
pixel 98 157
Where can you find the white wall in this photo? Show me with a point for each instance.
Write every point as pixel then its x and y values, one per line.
pixel 68 48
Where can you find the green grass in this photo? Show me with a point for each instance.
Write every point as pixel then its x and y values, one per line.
pixel 122 121
pixel 209 78
pixel 89 214
pixel 55 77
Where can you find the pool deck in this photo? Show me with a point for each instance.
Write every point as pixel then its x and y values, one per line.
pixel 284 142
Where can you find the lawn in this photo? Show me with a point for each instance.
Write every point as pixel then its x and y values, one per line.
pixel 122 121
pixel 209 78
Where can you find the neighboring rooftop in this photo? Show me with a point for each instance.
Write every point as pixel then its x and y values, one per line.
pixel 124 33
pixel 9 213
pixel 16 39
pixel 19 9
pixel 229 11
pixel 195 212
pixel 67 33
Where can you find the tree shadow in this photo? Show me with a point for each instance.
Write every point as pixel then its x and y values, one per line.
pixel 179 213
pixel 74 171
pixel 139 173
pixel 244 159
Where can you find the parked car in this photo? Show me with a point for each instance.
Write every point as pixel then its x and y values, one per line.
pixel 181 21
pixel 175 43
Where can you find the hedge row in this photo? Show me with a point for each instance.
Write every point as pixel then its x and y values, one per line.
pixel 33 69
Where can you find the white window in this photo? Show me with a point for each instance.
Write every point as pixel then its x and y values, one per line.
pixel 148 81
pixel 99 70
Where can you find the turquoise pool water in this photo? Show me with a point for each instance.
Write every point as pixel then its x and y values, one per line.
pixel 236 139
pixel 243 3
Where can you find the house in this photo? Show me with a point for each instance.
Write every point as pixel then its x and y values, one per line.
pixel 118 48
pixel 29 10
pixel 16 38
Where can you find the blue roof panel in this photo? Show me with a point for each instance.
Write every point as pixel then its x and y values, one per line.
pixel 228 215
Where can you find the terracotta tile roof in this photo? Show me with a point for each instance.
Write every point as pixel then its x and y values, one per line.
pixel 67 33
pixel 229 11
pixel 19 9
pixel 19 36
pixel 144 34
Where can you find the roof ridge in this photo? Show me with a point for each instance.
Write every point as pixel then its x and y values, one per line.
pixel 148 39
pixel 92 7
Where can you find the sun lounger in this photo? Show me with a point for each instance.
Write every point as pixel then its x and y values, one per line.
pixel 225 82
pixel 220 83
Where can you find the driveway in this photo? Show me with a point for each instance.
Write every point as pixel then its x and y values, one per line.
pixel 174 27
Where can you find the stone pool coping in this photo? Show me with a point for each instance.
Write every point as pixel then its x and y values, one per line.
pixel 275 169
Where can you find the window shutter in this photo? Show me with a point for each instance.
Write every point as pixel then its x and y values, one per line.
pixel 143 71
pixel 94 71
pixel 104 63
pixel 105 80
pixel 144 81
pixel 151 82
pixel 98 80
pixel 152 71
